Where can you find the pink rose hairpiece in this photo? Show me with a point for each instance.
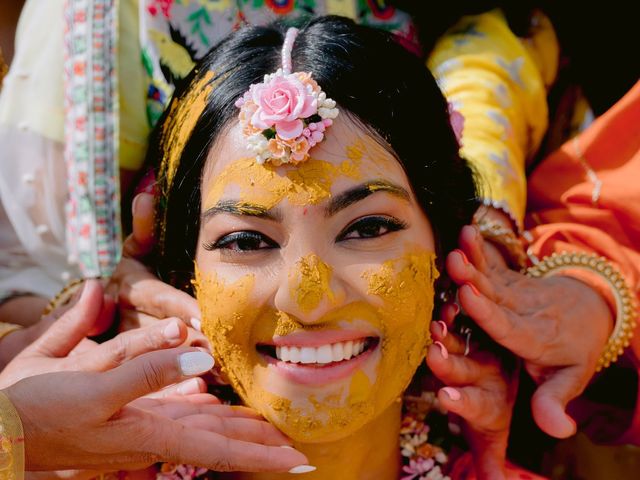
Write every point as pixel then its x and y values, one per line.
pixel 287 114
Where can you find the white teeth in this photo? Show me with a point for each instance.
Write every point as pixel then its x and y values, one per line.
pixel 348 349
pixel 308 355
pixel 294 354
pixel 324 354
pixel 338 352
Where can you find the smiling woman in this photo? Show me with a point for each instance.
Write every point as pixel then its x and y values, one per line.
pixel 315 267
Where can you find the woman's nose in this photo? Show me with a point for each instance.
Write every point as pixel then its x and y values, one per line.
pixel 309 290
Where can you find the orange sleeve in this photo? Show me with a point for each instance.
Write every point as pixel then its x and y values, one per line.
pixel 586 197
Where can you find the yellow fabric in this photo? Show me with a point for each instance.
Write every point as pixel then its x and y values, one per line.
pixel 346 8
pixel 134 127
pixel 11 442
pixel 498 83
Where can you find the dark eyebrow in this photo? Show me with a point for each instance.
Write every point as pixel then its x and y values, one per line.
pixel 236 207
pixel 360 192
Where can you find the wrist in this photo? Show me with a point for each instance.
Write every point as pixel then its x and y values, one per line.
pixel 625 302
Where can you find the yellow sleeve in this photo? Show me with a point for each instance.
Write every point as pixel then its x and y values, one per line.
pixel 498 82
pixel 134 126
pixel 11 442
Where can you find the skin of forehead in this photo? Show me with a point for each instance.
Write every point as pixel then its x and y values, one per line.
pixel 347 146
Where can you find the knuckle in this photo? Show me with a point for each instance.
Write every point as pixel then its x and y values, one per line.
pixel 152 376
pixel 119 350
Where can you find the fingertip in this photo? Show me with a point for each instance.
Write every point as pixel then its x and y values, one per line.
pixel 444 330
pixel 195 363
pixel 192 386
pixel 174 331
pixel 196 324
pixel 469 234
pixel 443 350
pixel 106 316
pixel 549 414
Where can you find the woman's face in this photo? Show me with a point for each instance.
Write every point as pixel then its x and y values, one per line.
pixel 315 281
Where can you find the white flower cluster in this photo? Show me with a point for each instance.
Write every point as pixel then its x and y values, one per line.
pixel 326 106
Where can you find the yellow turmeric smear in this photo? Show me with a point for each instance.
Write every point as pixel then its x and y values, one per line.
pixel 182 119
pixel 405 288
pixel 234 324
pixel 311 283
pixel 223 308
pixel 307 183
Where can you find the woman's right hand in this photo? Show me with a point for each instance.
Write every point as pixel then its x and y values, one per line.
pixel 95 421
pixel 64 346
pixel 142 297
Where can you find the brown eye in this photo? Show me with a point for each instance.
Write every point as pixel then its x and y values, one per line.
pixel 246 241
pixel 371 227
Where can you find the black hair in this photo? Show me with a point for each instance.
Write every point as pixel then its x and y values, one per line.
pixel 372 78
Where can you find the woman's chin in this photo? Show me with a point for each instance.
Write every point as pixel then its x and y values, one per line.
pixel 314 431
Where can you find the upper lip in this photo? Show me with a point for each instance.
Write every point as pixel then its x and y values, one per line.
pixel 318 338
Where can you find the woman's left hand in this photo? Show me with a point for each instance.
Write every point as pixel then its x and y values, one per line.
pixel 558 325
pixel 481 388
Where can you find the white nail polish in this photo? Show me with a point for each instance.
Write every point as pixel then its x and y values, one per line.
pixel 193 363
pixel 302 469
pixel 196 323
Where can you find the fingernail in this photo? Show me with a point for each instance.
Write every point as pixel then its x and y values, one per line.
pixel 454 428
pixel 196 323
pixel 302 469
pixel 443 350
pixel 463 255
pixel 452 393
pixel 443 327
pixel 473 288
pixel 288 447
pixel 171 331
pixel 135 202
pixel 190 387
pixel 456 309
pixel 193 363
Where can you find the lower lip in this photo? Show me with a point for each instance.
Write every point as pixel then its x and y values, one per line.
pixel 318 374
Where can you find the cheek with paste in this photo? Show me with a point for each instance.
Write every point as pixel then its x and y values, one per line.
pixel 398 305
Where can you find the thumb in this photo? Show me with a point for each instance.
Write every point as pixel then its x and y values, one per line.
pixel 153 371
pixel 141 241
pixel 549 402
pixel 66 332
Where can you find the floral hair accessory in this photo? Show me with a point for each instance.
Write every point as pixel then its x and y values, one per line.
pixel 286 114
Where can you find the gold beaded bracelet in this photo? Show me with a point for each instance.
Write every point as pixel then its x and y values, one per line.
pixel 626 313
pixel 63 297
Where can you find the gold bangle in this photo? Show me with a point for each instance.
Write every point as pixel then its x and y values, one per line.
pixel 7 328
pixel 506 241
pixel 11 441
pixel 626 313
pixel 63 297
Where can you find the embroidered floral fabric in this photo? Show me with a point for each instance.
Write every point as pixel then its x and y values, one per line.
pixel 176 33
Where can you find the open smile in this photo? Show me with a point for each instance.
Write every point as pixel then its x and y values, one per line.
pixel 318 364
